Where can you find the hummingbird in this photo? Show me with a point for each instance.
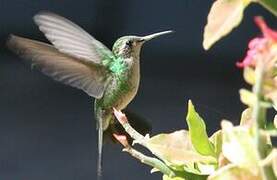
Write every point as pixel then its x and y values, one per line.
pixel 77 59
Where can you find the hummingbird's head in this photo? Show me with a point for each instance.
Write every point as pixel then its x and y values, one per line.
pixel 129 46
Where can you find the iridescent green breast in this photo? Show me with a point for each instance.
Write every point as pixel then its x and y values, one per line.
pixel 122 85
pixel 118 67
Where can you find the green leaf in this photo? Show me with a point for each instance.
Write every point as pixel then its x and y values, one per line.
pixel 270 5
pixel 176 149
pixel 247 97
pixel 273 155
pixel 275 121
pixel 216 139
pixel 249 75
pixel 271 160
pixel 232 172
pixel 186 176
pixel 238 146
pixel 270 129
pixel 246 117
pixel 165 177
pixel 223 17
pixel 272 96
pixel 153 170
pixel 197 132
pixel 272 132
pixel 206 169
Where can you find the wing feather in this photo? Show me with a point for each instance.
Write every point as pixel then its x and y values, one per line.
pixel 71 39
pixel 88 76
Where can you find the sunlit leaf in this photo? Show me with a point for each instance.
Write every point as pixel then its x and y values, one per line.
pixel 272 132
pixel 216 139
pixel 222 161
pixel 165 177
pixel 223 17
pixel 176 149
pixel 272 96
pixel 274 163
pixel 205 168
pixel 232 172
pixel 249 75
pixel 247 97
pixel 239 146
pixel 186 176
pixel 246 117
pixel 271 5
pixel 271 160
pixel 153 170
pixel 275 121
pixel 197 132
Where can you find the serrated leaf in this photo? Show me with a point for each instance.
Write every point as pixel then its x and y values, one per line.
pixel 232 172
pixel 175 148
pixel 238 146
pixel 197 132
pixel 223 17
pixel 271 5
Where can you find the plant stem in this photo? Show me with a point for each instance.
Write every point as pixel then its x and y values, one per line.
pixel 122 119
pixel 259 112
pixel 153 162
pixel 259 116
pixel 139 138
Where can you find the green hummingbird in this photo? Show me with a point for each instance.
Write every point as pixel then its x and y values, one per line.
pixel 79 60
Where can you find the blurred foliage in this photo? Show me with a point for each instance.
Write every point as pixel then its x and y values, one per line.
pixel 225 15
pixel 234 152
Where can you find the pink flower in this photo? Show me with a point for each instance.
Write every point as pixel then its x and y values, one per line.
pixel 267 32
pixel 258 45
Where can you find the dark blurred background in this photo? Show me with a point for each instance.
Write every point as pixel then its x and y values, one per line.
pixel 47 130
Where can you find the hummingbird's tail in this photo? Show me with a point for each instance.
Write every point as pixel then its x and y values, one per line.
pixel 100 148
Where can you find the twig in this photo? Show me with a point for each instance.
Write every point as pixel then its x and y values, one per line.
pixel 138 138
pixel 153 162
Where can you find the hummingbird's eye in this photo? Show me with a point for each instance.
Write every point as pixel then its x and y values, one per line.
pixel 129 43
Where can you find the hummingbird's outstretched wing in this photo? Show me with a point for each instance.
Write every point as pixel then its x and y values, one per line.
pixel 88 76
pixel 71 39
